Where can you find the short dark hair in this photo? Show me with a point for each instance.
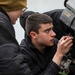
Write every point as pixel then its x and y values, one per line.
pixel 34 20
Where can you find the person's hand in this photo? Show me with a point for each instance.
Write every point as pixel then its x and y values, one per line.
pixel 64 45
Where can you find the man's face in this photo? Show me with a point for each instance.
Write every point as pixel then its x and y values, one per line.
pixel 14 15
pixel 46 35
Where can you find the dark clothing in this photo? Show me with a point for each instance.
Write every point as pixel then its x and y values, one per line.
pixel 10 56
pixel 39 63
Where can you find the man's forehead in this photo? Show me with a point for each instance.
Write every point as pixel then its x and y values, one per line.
pixel 46 26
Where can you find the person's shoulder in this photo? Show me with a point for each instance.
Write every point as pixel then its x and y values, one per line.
pixel 54 13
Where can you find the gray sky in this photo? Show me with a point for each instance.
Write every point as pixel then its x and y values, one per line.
pixel 37 6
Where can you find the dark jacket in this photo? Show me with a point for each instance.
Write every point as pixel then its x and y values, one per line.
pixel 10 56
pixel 39 63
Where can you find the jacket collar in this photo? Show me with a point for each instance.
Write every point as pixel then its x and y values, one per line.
pixel 3 11
pixel 28 40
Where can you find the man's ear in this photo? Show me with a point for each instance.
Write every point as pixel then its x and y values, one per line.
pixel 33 34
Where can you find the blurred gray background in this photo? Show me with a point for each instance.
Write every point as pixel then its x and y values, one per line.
pixel 37 6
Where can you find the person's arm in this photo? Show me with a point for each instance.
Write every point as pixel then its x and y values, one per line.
pixel 63 47
pixel 10 56
pixel 9 61
pixel 51 69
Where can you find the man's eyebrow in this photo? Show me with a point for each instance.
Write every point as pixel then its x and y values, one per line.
pixel 48 29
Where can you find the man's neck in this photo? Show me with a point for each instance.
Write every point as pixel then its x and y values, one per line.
pixel 40 47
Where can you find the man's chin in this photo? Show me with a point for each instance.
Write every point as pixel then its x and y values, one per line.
pixel 51 44
pixel 13 23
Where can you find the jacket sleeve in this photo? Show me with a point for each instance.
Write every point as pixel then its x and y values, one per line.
pixel 51 69
pixel 10 56
pixel 10 61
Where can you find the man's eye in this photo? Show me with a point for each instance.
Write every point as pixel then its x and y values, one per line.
pixel 47 31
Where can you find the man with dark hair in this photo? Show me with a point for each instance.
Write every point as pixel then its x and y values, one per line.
pixel 39 48
pixel 10 55
pixel 59 27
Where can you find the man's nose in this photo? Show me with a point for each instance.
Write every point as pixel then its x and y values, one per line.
pixel 53 33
